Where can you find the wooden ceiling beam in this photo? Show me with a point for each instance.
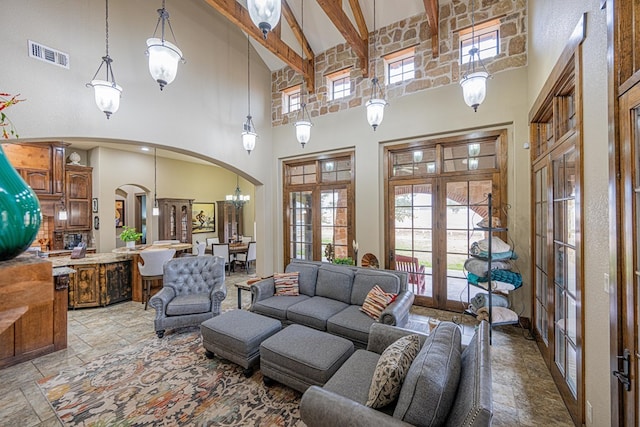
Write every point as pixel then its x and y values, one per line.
pixel 297 31
pixel 432 8
pixel 360 22
pixel 239 16
pixel 333 9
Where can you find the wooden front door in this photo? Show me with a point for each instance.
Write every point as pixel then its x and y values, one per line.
pixel 628 301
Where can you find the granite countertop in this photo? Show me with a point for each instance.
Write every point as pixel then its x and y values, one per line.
pixel 62 271
pixel 100 258
pixel 139 248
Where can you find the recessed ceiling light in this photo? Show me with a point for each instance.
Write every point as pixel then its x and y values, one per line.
pixel 144 148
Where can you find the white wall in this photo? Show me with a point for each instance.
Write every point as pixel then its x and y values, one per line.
pixel 551 22
pixel 200 113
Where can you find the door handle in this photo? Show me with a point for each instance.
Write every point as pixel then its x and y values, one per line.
pixel 623 375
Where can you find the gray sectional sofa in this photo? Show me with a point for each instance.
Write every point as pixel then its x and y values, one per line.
pixel 330 299
pixel 445 385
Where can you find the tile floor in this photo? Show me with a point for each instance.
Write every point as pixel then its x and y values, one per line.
pixel 523 392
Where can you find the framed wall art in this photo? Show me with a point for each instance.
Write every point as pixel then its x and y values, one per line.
pixel 204 217
pixel 119 213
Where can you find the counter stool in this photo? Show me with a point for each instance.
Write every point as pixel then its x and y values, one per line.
pixel 152 269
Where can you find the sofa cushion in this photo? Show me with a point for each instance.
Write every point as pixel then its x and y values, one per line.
pixel 351 323
pixel 189 304
pixel 286 283
pixel 364 280
pixel 314 312
pixel 335 282
pixel 376 301
pixel 391 370
pixel 307 277
pixel 277 306
pixel 353 379
pixel 432 381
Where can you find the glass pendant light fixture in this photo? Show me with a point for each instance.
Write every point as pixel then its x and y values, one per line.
pixel 303 124
pixel 62 213
pixel 163 55
pixel 156 209
pixel 265 14
pixel 474 79
pixel 375 106
pixel 237 198
pixel 249 134
pixel 107 92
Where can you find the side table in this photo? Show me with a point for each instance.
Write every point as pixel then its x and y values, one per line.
pixel 242 286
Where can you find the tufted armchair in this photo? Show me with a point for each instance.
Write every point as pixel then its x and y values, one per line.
pixel 193 291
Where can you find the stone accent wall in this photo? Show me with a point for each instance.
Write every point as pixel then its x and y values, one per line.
pixel 429 72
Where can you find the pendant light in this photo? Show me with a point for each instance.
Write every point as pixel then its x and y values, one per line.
pixel 156 209
pixel 107 92
pixel 249 134
pixel 375 106
pixel 265 14
pixel 163 55
pixel 474 82
pixel 303 125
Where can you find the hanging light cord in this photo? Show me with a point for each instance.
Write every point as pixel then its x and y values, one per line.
pixel 248 77
pixel 164 15
pixel 106 26
pixel 302 56
pixel 155 177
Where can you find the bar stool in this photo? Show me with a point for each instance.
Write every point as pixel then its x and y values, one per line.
pixel 152 269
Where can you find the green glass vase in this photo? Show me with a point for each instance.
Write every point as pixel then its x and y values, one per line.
pixel 20 214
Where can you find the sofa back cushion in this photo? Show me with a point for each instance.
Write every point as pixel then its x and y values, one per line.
pixel 430 387
pixel 365 280
pixel 308 274
pixel 335 282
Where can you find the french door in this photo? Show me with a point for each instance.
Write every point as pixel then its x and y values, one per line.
pixel 436 194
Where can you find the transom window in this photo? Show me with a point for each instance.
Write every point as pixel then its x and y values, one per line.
pixel 486 38
pixel 339 84
pixel 291 99
pixel 400 65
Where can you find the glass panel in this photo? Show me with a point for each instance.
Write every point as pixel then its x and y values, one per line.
pixel 572 370
pixel 300 217
pixel 571 270
pixel 559 221
pixel 571 319
pixel 560 261
pixel 571 222
pixel 559 356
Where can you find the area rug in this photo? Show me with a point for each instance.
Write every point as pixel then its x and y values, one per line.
pixel 167 382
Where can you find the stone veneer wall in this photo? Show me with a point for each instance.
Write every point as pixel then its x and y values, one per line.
pixel 429 72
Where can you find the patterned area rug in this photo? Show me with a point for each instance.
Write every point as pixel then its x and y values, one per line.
pixel 168 382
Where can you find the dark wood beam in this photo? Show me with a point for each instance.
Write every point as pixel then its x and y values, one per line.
pixel 360 22
pixel 239 16
pixel 432 8
pixel 333 9
pixel 297 31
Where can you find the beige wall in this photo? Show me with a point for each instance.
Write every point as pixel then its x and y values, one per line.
pixel 550 25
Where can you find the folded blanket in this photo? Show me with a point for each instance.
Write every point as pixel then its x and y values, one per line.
pixel 494 256
pixel 499 315
pixel 482 300
pixel 479 267
pixel 496 285
pixel 497 244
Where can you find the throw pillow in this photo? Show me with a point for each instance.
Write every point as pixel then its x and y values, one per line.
pixel 286 283
pixel 376 301
pixel 391 369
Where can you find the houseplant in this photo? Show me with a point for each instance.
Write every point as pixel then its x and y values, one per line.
pixel 19 205
pixel 129 235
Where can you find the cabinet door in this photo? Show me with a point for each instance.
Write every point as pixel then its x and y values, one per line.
pixel 79 215
pixel 78 189
pixel 85 288
pixel 118 282
pixel 38 180
pixel 57 166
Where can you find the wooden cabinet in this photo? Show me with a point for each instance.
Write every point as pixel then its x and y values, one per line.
pixel 229 221
pixel 41 165
pixel 175 220
pixel 100 284
pixel 78 197
pixel 26 283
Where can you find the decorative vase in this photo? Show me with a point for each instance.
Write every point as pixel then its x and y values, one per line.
pixel 131 244
pixel 20 214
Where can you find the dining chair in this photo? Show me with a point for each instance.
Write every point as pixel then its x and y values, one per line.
pixel 151 271
pixel 248 257
pixel 247 239
pixel 210 242
pixel 222 250
pixel 199 248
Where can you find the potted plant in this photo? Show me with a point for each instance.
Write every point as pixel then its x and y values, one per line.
pixel 343 261
pixel 129 235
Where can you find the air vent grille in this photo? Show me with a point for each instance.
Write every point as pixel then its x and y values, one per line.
pixel 47 54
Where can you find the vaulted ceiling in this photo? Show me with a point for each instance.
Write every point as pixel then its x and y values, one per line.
pixel 326 23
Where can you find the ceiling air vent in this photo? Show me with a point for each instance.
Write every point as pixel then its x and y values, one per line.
pixel 47 54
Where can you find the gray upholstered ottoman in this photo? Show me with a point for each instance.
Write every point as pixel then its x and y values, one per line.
pixel 236 336
pixel 301 357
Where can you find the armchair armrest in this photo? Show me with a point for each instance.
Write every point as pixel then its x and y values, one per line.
pixel 322 408
pixel 160 300
pixel 397 313
pixel 382 336
pixel 262 290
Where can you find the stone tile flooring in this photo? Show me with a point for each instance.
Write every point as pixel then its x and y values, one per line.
pixel 523 392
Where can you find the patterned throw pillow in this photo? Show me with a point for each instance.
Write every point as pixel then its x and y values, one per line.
pixel 286 283
pixel 391 369
pixel 376 301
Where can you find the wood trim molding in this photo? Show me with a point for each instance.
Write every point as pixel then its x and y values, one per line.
pixel 432 8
